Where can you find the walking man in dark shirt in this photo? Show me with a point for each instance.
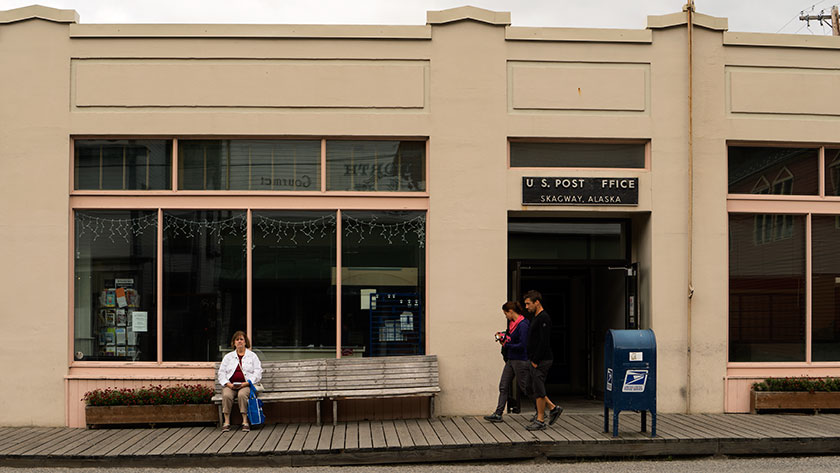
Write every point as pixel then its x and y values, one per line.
pixel 541 358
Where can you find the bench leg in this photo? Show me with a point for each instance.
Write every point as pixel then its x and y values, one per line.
pixel 431 407
pixel 318 413
pixel 335 412
pixel 221 417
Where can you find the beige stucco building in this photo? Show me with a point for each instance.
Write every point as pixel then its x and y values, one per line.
pixel 164 185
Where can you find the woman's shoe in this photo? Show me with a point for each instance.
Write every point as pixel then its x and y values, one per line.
pixel 226 428
pixel 246 428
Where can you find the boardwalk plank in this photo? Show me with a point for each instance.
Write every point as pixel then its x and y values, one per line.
pixel 284 444
pixel 690 428
pixel 365 439
pixel 417 436
pixel 403 434
pixel 442 433
pixel 351 436
pixel 339 441
pixel 472 437
pixel 22 437
pixel 300 437
pixel 700 423
pixel 215 437
pixel 665 423
pixel 87 439
pixel 325 438
pixel 274 438
pixel 188 447
pixel 52 437
pixel 233 439
pixel 458 437
pixel 153 439
pixel 792 424
pixel 507 428
pixel 312 437
pixel 220 441
pixel 160 443
pixel 733 428
pixel 132 443
pixel 392 440
pixel 261 438
pixel 571 430
pixel 488 434
pixel 829 424
pixel 531 436
pixel 55 443
pixel 377 435
pixel 117 438
pixel 425 426
pixel 174 442
pixel 244 444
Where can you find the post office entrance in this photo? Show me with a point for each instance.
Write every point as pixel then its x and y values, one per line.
pixel 589 284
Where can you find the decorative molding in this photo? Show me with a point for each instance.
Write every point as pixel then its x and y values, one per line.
pixel 403 32
pixel 39 12
pixel 678 19
pixel 468 13
pixel 586 35
pixel 781 40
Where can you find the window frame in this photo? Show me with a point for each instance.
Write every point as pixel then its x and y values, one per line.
pixel 618 141
pixel 248 201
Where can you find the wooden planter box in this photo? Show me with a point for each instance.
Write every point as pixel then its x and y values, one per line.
pixel 162 414
pixel 766 400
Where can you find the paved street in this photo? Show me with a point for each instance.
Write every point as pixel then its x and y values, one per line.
pixel 822 464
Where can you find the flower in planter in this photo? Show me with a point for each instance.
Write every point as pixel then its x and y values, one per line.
pixel 152 395
pixel 798 384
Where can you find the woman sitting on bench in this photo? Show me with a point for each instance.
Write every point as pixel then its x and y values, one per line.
pixel 237 368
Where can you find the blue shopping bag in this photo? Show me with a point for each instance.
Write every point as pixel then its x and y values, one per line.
pixel 256 416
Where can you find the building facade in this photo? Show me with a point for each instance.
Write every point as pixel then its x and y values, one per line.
pixel 381 190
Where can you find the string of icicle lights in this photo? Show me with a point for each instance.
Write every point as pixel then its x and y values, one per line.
pixel 126 229
pixel 114 228
pixel 291 230
pixel 388 231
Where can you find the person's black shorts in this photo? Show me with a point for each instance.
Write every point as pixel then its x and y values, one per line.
pixel 538 376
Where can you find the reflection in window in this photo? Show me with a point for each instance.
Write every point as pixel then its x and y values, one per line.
pixel 115 312
pixel 389 166
pixel 203 282
pixel 122 164
pixel 293 313
pixel 825 309
pixel 382 276
pixel 793 171
pixel 766 293
pixel 832 176
pixel 249 165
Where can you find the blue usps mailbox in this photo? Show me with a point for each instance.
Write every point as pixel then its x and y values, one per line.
pixel 630 381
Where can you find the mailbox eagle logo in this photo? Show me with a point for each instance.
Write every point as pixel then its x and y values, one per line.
pixel 635 381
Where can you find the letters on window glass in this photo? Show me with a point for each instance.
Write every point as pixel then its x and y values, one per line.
pixel 376 166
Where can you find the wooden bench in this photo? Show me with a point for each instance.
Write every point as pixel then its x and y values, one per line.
pixel 382 377
pixel 283 381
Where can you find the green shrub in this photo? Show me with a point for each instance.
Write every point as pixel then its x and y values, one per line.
pixel 798 384
pixel 152 395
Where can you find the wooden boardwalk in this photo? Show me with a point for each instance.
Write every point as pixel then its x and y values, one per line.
pixel 441 439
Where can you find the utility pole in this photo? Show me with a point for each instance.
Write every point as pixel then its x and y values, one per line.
pixel 832 20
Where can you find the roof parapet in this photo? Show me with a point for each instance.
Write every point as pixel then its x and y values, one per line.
pixel 39 12
pixel 676 19
pixel 440 17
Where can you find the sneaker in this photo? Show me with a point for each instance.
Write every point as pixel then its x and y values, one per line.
pixel 246 428
pixel 554 414
pixel 493 417
pixel 536 425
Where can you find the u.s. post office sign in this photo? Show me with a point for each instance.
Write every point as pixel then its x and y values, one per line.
pixel 580 191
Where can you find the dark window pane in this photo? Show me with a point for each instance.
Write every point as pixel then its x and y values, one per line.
pixel 779 171
pixel 581 241
pixel 115 312
pixel 383 283
pixel 203 282
pixel 577 155
pixel 123 164
pixel 385 166
pixel 249 165
pixel 294 284
pixel 832 171
pixel 825 310
pixel 766 290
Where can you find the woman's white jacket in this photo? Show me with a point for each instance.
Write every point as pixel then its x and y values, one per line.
pixel 251 367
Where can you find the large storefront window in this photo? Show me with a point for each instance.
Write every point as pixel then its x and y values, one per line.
pixel 294 284
pixel 382 280
pixel 122 164
pixel 825 312
pixel 766 292
pixel 577 155
pixel 204 294
pixel 115 279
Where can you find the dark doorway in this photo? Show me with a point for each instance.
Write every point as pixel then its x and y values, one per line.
pixel 583 271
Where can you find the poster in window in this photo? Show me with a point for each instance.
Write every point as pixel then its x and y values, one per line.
pixel 120 297
pixel 110 317
pixel 119 332
pixel 121 318
pixel 139 321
